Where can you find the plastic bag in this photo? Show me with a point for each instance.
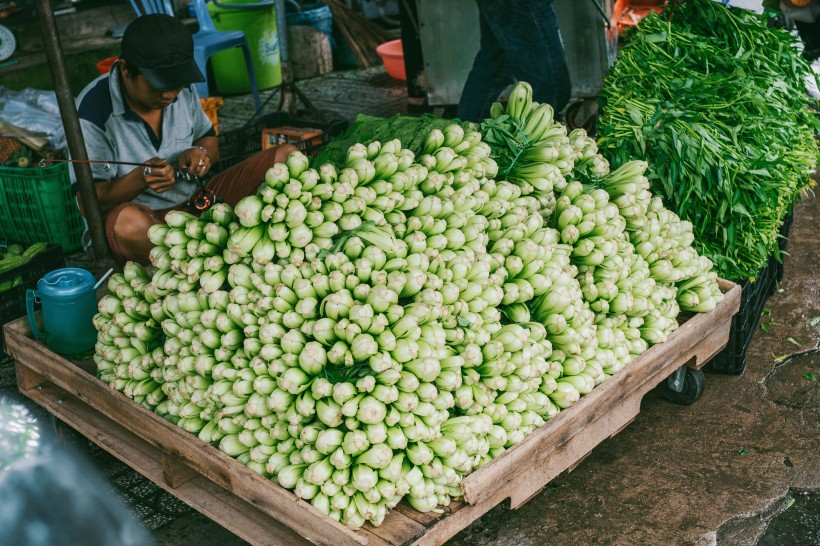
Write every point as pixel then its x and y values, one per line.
pixel 35 111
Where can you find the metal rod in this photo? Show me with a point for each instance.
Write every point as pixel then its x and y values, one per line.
pixel 44 162
pixel 74 135
pixel 600 8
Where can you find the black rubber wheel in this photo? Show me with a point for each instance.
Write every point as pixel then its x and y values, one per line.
pixel 693 384
pixel 574 119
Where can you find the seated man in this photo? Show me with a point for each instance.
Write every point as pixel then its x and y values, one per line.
pixel 146 110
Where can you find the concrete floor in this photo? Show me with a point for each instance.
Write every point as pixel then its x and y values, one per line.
pixel 716 472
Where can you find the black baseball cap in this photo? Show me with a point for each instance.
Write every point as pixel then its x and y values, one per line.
pixel 163 50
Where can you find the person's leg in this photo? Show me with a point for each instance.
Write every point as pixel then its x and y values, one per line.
pixel 126 228
pixel 527 31
pixel 489 75
pixel 244 178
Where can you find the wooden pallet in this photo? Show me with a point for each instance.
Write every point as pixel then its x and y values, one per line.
pixel 261 512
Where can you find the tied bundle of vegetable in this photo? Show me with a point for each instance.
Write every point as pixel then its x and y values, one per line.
pixel 129 353
pixel 298 210
pixel 471 288
pixel 530 147
pixel 715 102
pixel 614 281
pixel 665 243
pixel 527 273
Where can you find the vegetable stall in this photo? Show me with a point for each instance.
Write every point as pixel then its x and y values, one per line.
pixel 379 326
pixel 387 340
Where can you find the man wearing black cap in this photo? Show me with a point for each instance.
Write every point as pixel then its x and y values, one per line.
pixel 146 110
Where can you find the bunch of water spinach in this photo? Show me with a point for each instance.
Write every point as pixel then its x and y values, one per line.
pixel 715 101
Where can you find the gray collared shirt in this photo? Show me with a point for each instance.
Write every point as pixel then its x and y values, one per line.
pixel 113 131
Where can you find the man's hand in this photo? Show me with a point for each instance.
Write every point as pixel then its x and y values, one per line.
pixel 159 176
pixel 195 160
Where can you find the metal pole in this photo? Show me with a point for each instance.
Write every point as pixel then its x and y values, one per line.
pixel 74 135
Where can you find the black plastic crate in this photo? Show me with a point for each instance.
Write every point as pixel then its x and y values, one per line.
pixel 783 242
pixel 732 359
pixel 240 144
pixel 13 300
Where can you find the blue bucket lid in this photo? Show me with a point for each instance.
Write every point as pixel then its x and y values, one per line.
pixel 66 282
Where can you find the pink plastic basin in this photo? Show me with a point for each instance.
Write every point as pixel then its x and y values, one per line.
pixel 392 56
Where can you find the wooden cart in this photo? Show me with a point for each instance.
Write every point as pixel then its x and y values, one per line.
pixel 260 512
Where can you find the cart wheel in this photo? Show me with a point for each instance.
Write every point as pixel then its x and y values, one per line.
pixel 582 114
pixel 693 384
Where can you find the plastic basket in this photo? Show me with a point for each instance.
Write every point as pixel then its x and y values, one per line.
pixel 13 300
pixel 37 204
pixel 211 105
pixel 732 359
pixel 240 144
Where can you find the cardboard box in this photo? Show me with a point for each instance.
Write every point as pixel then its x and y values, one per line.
pixel 288 134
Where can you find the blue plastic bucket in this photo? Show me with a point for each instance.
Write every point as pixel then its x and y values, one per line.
pixel 315 15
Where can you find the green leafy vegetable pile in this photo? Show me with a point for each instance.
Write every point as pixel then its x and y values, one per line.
pixel 715 102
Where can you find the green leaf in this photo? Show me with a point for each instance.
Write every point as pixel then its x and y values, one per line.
pixel 810 377
pixel 780 358
pixel 814 321
pixel 742 452
pixel 792 340
pixel 790 503
pixel 656 38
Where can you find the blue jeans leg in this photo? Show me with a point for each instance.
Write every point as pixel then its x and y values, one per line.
pixel 520 40
pixel 488 77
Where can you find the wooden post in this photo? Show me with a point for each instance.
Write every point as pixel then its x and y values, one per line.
pixel 74 135
pixel 287 100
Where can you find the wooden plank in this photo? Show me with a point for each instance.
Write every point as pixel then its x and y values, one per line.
pixel 429 518
pixel 569 454
pixel 176 472
pixel 26 378
pixel 239 517
pixel 446 528
pixel 373 539
pixel 205 459
pixel 396 528
pixel 424 518
pixel 711 345
pixel 640 376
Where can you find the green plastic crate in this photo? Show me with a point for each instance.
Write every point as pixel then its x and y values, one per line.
pixel 37 204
